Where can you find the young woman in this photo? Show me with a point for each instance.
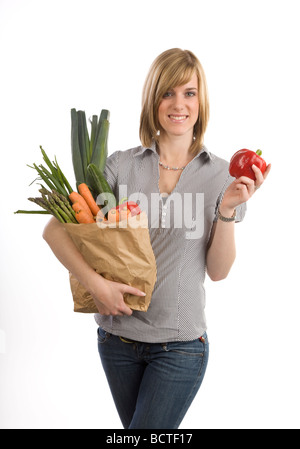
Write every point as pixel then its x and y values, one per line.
pixel 155 361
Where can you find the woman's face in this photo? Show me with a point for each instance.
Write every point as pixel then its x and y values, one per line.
pixel 179 109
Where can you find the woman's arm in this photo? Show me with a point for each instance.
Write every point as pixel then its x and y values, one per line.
pixel 108 295
pixel 221 248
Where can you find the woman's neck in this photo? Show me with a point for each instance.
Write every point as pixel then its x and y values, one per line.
pixel 174 150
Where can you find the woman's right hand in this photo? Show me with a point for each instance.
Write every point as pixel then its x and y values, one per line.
pixel 109 297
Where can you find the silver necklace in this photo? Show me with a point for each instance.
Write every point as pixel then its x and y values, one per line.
pixel 170 168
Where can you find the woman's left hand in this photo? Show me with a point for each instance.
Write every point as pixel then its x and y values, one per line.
pixel 242 189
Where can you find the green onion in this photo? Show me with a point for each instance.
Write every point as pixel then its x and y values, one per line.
pixel 75 148
pixel 87 150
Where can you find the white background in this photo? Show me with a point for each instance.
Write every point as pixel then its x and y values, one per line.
pixel 90 55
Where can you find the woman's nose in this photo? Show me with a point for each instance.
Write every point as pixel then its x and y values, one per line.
pixel 178 103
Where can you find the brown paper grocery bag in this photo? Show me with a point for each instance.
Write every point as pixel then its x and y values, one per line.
pixel 120 252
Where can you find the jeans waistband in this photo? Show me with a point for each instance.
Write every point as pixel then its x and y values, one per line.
pixel 128 340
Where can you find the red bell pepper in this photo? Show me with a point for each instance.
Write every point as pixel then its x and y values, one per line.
pixel 131 206
pixel 242 161
pixel 122 210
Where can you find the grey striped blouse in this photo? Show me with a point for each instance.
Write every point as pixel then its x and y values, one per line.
pixel 179 226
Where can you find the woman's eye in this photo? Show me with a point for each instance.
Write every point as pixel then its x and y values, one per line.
pixel 167 94
pixel 190 94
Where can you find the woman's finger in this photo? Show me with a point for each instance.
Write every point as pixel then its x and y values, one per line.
pixel 267 171
pixel 133 290
pixel 124 310
pixel 259 176
pixel 102 309
pixel 248 182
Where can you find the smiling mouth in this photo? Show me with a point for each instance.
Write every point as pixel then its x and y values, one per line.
pixel 178 118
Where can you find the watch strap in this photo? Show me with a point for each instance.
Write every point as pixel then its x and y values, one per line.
pixel 227 219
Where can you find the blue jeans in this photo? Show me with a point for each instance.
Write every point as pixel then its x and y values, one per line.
pixel 152 384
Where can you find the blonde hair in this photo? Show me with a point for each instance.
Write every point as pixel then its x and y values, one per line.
pixel 174 67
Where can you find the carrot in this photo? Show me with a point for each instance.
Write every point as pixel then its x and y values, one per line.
pixel 77 198
pixel 113 215
pixel 84 217
pixel 124 213
pixel 86 193
pixel 100 215
pixel 77 207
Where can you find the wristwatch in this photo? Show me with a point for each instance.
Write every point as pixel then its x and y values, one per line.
pixel 227 219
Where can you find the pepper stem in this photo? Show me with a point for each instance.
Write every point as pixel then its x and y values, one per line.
pixel 259 152
pixel 123 200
